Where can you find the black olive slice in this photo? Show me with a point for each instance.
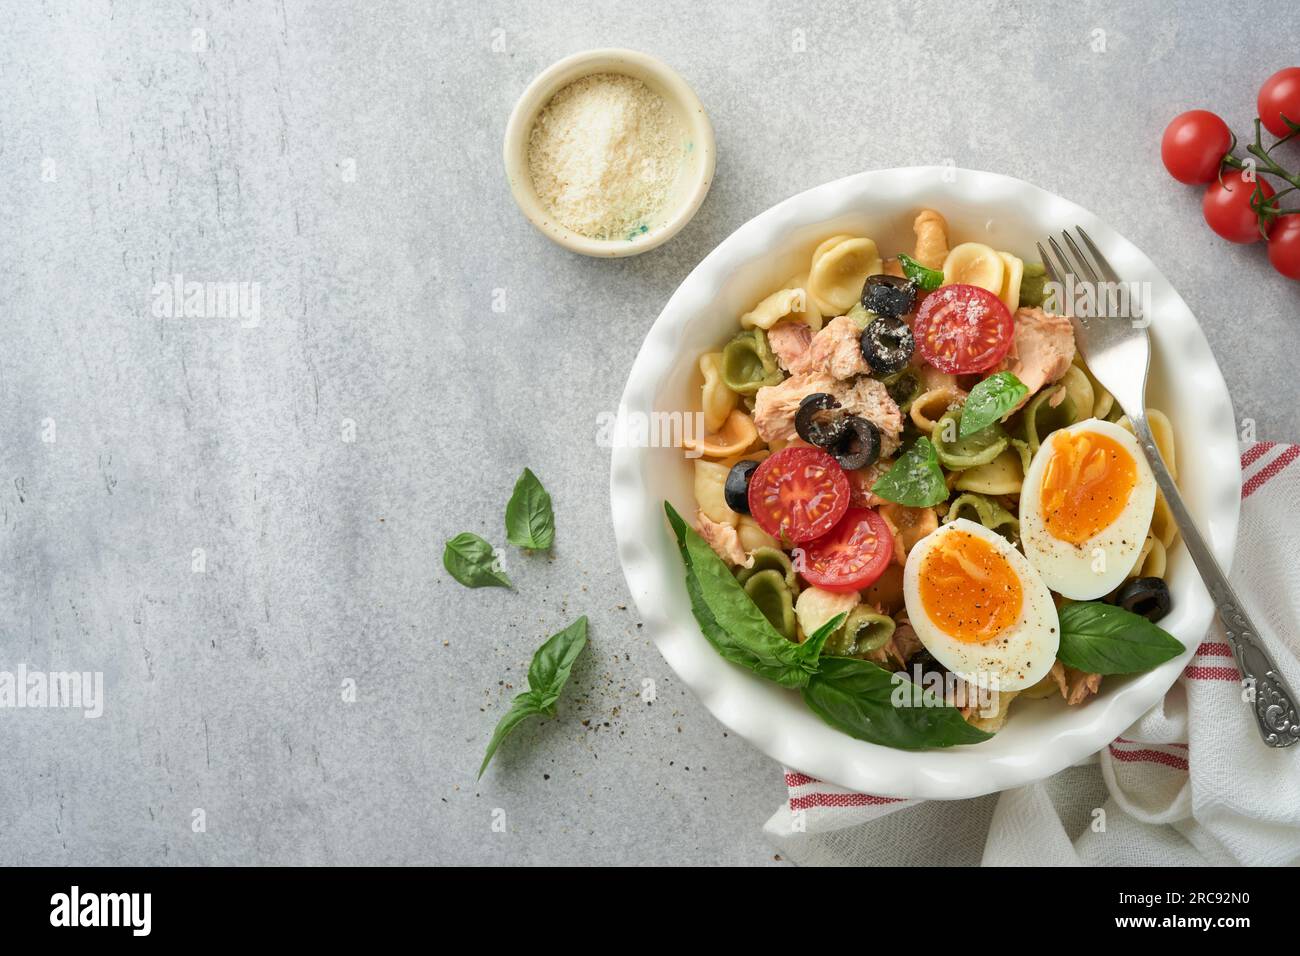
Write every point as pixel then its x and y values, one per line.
pixel 890 296
pixel 736 489
pixel 887 345
pixel 858 445
pixel 1148 597
pixel 817 421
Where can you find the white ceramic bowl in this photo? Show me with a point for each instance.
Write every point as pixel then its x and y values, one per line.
pixel 693 179
pixel 1041 737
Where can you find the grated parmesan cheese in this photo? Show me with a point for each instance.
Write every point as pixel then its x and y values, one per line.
pixel 603 155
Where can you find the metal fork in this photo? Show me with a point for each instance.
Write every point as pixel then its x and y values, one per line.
pixel 1118 352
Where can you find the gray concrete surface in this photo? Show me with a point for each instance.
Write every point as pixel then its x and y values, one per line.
pixel 345 157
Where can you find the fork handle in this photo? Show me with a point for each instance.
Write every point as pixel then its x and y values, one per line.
pixel 1275 702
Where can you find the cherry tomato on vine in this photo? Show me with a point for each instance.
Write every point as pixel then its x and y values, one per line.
pixel 1227 208
pixel 852 555
pixel 1284 245
pixel 1278 97
pixel 1194 145
pixel 962 328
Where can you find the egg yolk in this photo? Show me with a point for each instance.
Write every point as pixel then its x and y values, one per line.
pixel 968 589
pixel 1086 484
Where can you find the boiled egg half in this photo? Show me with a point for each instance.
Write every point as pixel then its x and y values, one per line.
pixel 979 607
pixel 1085 508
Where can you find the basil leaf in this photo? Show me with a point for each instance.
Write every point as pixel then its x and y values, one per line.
pixel 866 701
pixel 530 522
pixel 547 675
pixel 732 622
pixel 553 662
pixel 473 562
pixel 1104 639
pixel 925 278
pixel 915 480
pixel 989 400
pixel 521 708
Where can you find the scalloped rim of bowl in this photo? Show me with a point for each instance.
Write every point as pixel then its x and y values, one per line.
pixel 660 77
pixel 1039 740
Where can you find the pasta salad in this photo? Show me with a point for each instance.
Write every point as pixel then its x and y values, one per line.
pixel 915 504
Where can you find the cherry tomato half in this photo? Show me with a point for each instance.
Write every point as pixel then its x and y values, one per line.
pixel 963 328
pixel 798 494
pixel 1284 245
pixel 1227 210
pixel 1278 97
pixel 852 556
pixel 1194 145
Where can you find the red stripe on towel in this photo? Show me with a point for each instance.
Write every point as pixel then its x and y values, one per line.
pixel 1269 471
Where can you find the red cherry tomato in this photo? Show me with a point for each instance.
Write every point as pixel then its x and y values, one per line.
pixel 798 494
pixel 1278 97
pixel 1227 209
pixel 852 556
pixel 1284 245
pixel 1193 146
pixel 963 328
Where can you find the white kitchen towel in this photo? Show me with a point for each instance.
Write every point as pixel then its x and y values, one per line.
pixel 1190 783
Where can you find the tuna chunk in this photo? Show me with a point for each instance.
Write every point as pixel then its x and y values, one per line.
pixel 837 350
pixel 870 399
pixel 775 406
pixel 789 342
pixel 1042 349
pixel 1076 686
pixel 722 538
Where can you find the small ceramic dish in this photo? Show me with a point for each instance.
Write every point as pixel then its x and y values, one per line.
pixel 693 178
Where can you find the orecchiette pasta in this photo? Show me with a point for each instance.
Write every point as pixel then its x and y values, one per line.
pixel 710 479
pixel 837 275
pixel 929 407
pixel 736 435
pixel 718 400
pixel 1013 272
pixel 1004 475
pixel 815 607
pixel 973 263
pixel 782 304
pixel 752 537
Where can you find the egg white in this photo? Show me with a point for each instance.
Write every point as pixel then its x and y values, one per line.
pixel 1100 564
pixel 1017 658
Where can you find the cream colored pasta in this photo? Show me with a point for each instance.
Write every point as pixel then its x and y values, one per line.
pixel 718 400
pixel 973 263
pixel 1004 475
pixel 815 607
pixel 1163 432
pixel 1152 560
pixel 752 537
pixel 993 723
pixel 1013 272
pixel 1102 401
pixel 838 274
pixel 1163 526
pixel 1078 389
pixel 781 304
pixel 808 313
pixel 710 480
pixel 825 246
pixel 929 407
